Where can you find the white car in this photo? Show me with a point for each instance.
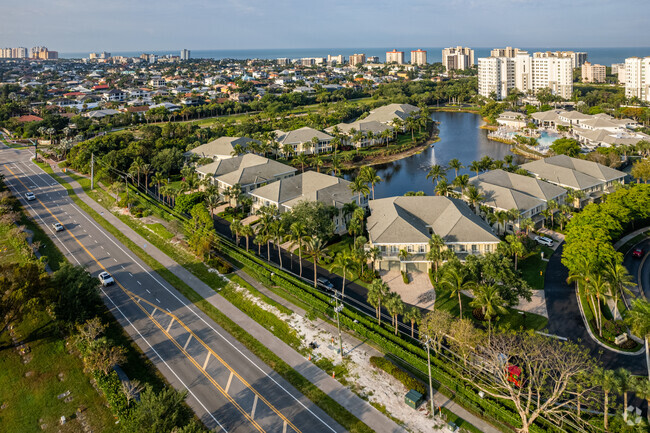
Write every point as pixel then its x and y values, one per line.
pixel 542 240
pixel 58 227
pixel 30 196
pixel 106 279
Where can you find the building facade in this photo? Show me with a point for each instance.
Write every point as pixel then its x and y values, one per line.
pixel 637 78
pixel 506 52
pixel 578 58
pixel 593 73
pixel 418 57
pixel 356 59
pixel 185 54
pixel 395 57
pixel 457 58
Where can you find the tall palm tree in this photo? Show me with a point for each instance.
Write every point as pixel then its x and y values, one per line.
pixel 318 162
pixel 456 281
pixel 278 233
pixel 342 262
pixel 624 383
pixel 157 179
pixel 443 188
pixel 607 381
pixel 395 307
pixel 301 159
pixel 619 280
pixel 489 300
pixel 527 224
pixel 474 196
pixel 146 171
pixel 369 175
pixel 642 390
pixel 376 294
pixel 639 320
pixel 235 229
pixel 413 315
pixel 247 232
pixel 374 254
pixel 212 202
pixel 552 206
pixel 315 248
pixel 515 247
pixel 436 244
pixel 461 182
pixel 436 173
pixel 456 165
pixel 358 186
pixel 598 287
pixel 475 166
pixel 296 237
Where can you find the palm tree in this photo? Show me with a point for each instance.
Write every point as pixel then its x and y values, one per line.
pixel 403 254
pixel 456 281
pixel 475 166
pixel 116 188
pixel 158 179
pixel 318 162
pixel 146 171
pixel 376 293
pixel 336 165
pixel 638 318
pixel 502 218
pixel 461 182
pixel 489 300
pixel 642 390
pixel 358 186
pixel 620 280
pixel 527 224
pixel 624 383
pixel 474 196
pixel 369 175
pixel 247 232
pixel 315 248
pixel 515 247
pixel 413 315
pixel 342 262
pixel 443 188
pixel 278 232
pixel 552 206
pixel 314 143
pixel 374 254
pixel 436 244
pixel 212 202
pixel 395 307
pixel 301 159
pixel 600 288
pixel 436 173
pixel 456 165
pixel 607 381
pixel 235 229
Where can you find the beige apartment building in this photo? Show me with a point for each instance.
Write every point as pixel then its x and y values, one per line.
pixel 395 57
pixel 506 52
pixel 637 78
pixel 578 58
pixel 618 69
pixel 593 73
pixel 457 58
pixel 418 57
pixel 356 59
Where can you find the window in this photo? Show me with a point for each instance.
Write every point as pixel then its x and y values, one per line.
pixel 393 249
pixel 474 249
pixel 410 248
pixel 421 249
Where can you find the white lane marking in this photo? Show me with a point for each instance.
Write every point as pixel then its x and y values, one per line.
pixel 163 361
pixel 193 310
pixel 254 406
pixel 138 282
pixel 122 266
pixel 158 300
pixel 130 274
pixel 148 291
pixel 115 259
pixel 207 358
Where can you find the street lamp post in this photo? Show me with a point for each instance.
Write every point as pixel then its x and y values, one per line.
pixel 428 344
pixel 337 309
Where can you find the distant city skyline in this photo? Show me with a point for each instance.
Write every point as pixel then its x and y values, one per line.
pixel 120 25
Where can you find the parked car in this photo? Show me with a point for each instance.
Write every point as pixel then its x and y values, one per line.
pixel 58 227
pixel 30 196
pixel 638 253
pixel 543 240
pixel 106 279
pixel 325 283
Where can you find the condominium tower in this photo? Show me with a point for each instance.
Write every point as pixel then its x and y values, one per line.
pixel 593 73
pixel 457 58
pixel 578 58
pixel 395 57
pixel 502 74
pixel 185 54
pixel 637 78
pixel 356 59
pixel 418 57
pixel 506 52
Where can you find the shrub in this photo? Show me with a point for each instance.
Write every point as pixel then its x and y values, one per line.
pixel 407 380
pixel 185 202
pixel 405 277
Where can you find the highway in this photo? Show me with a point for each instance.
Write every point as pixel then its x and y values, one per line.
pixel 228 387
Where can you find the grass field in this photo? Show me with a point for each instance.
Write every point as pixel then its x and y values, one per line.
pixel 533 268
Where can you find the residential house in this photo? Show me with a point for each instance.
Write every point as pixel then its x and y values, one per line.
pixel 407 223
pixel 301 140
pixel 593 179
pixel 310 186
pixel 221 148
pixel 512 119
pixel 375 128
pixel 114 95
pixel 249 171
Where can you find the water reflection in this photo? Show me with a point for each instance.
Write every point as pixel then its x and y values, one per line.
pixel 460 137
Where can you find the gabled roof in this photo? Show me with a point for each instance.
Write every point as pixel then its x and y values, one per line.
pixel 408 220
pixel 361 126
pixel 523 184
pixel 572 172
pixel 221 146
pixel 245 169
pixel 389 112
pixel 301 135
pixel 310 186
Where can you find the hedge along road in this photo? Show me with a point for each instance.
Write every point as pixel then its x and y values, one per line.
pixel 228 387
pixel 564 318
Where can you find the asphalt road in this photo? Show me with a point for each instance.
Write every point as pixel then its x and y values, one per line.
pixel 229 388
pixel 639 268
pixel 564 318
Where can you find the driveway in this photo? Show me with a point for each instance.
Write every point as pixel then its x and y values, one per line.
pixel 418 291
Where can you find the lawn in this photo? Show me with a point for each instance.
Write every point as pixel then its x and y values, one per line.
pixel 160 230
pixel 533 268
pixel 344 244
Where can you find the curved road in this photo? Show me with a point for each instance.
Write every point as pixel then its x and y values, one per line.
pixel 564 318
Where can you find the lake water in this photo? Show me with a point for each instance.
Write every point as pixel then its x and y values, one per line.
pixel 460 137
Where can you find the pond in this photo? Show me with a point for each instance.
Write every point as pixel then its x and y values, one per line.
pixel 460 137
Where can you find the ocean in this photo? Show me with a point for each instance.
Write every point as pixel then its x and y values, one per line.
pixel 603 56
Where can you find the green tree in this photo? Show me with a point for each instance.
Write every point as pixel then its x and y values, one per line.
pixel 607 381
pixel 376 294
pixel 455 280
pixel 624 384
pixel 77 294
pixel 315 248
pixel 342 262
pixel 638 318
pixel 436 173
pixel 642 390
pixel 436 325
pixel 489 300
pixel 566 146
pixel 25 286
pixel 456 165
pixel 157 412
pixel 395 307
pixel 413 315
pixel 359 186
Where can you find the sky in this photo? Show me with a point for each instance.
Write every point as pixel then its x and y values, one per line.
pixel 141 25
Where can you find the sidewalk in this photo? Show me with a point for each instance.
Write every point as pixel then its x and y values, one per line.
pixel 626 238
pixel 342 395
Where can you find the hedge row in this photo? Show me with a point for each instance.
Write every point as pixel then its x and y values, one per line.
pixel 407 380
pixel 111 387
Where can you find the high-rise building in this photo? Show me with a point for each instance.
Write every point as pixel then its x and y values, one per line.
pixel 356 59
pixel 395 57
pixel 19 53
pixel 418 57
pixel 185 54
pixel 35 51
pixel 637 78
pixel 5 53
pixel 506 52
pixel 372 59
pixel 577 57
pixel 335 60
pixel 283 61
pixel 502 74
pixel 593 73
pixel 618 69
pixel 457 58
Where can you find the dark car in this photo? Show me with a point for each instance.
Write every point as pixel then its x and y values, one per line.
pixel 638 253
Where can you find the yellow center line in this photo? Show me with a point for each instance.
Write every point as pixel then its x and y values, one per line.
pixel 131 296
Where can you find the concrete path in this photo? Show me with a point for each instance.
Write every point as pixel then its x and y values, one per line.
pixel 418 291
pixel 342 395
pixel 626 238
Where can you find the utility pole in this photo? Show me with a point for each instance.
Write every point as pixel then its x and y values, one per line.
pixel 338 308
pixel 428 344
pixel 92 171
